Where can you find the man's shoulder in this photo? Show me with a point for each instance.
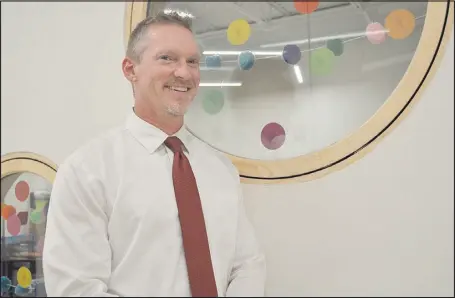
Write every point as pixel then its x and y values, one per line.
pixel 96 149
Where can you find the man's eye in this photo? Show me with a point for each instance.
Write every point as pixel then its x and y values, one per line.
pixel 165 57
pixel 193 61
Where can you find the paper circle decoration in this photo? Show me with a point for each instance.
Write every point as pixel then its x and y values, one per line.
pixel 376 33
pixel 24 277
pixel 273 136
pixel 400 23
pixel 213 101
pixel 246 60
pixel 238 32
pixel 321 61
pixel 291 54
pixel 305 7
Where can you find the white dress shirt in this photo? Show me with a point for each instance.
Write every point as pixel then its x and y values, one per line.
pixel 113 228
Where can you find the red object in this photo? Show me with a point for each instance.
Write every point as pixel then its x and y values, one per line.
pixel 305 7
pixel 22 190
pixel 194 234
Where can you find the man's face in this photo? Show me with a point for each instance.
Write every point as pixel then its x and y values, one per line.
pixel 168 75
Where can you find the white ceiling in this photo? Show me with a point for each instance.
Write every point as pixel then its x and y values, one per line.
pixel 216 16
pixel 279 21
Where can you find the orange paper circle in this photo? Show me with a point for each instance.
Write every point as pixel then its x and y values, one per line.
pixel 305 7
pixel 7 211
pixel 400 23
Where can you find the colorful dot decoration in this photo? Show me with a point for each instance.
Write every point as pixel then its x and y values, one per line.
pixel 238 32
pixel 398 24
pixel 273 136
pixel 305 7
pixel 25 283
pixel 213 101
pixel 213 61
pixel 23 217
pixel 22 190
pixel 376 33
pixel 8 211
pixel 40 204
pixel 321 61
pixel 21 292
pixel 13 225
pixel 37 217
pixel 16 219
pixel 5 284
pixel 24 277
pixel 336 46
pixel 291 54
pixel 246 60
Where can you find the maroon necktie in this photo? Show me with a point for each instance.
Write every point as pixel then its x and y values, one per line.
pixel 194 235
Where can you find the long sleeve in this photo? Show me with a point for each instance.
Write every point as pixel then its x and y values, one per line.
pixel 249 272
pixel 77 254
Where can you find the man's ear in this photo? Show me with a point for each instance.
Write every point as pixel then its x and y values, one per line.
pixel 128 68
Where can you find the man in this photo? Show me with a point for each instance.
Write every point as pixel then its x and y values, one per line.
pixel 148 209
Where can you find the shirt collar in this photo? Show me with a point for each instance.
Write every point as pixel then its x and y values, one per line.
pixel 152 137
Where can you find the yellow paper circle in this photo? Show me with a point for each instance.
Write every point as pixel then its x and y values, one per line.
pixel 24 277
pixel 400 23
pixel 238 32
pixel 40 204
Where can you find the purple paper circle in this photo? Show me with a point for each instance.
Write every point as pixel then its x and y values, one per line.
pixel 273 136
pixel 291 54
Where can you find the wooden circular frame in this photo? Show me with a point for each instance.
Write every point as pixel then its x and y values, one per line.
pixel 28 162
pixel 428 55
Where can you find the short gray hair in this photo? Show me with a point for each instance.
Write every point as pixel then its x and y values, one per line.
pixel 134 49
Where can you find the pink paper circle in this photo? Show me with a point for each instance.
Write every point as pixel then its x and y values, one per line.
pixel 375 33
pixel 13 225
pixel 273 136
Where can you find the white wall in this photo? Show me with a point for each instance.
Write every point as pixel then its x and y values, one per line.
pixel 381 227
pixel 61 75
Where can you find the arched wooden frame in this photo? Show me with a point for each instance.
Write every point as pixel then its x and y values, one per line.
pixel 28 162
pixel 428 55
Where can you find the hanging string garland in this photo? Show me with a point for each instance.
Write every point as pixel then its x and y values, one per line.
pixel 398 25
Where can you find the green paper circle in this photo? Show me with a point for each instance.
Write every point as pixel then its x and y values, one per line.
pixel 336 46
pixel 321 61
pixel 213 101
pixel 36 217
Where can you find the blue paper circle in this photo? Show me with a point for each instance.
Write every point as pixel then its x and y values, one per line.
pixel 246 60
pixel 20 291
pixel 213 61
pixel 6 283
pixel 291 54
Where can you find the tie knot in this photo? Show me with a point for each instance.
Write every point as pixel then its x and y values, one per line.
pixel 174 143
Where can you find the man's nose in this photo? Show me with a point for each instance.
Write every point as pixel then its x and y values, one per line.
pixel 182 71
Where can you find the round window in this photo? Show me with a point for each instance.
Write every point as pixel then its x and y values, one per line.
pixel 26 187
pixel 294 90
